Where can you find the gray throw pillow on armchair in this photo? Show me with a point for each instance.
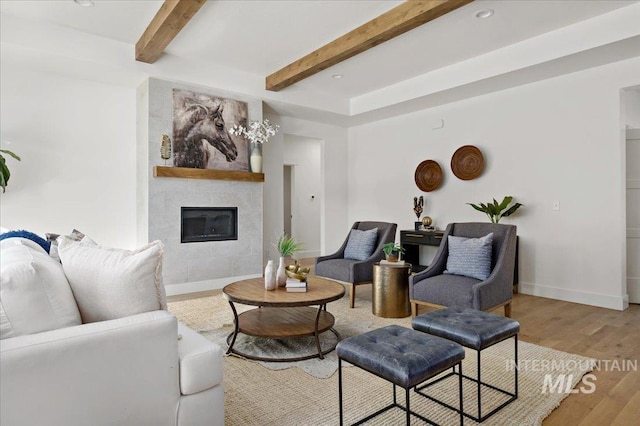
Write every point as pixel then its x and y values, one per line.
pixel 361 244
pixel 470 257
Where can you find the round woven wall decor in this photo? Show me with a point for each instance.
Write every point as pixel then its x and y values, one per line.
pixel 428 175
pixel 467 162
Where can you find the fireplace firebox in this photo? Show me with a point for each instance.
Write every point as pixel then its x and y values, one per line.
pixel 208 224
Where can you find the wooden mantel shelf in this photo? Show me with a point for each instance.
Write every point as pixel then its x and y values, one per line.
pixel 187 173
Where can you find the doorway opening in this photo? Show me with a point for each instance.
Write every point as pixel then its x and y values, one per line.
pixel 302 187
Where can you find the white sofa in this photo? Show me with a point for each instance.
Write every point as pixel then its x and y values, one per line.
pixel 143 369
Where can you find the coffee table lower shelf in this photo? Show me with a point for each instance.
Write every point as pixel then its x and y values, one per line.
pixel 283 323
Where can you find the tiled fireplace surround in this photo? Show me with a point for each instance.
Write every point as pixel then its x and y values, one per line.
pixel 194 266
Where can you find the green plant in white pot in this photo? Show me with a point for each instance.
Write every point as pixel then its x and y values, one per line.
pixel 287 246
pixel 497 211
pixel 4 170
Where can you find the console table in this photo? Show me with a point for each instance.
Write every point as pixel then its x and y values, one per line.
pixel 412 240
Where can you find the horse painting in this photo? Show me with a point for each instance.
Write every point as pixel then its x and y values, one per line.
pixel 201 132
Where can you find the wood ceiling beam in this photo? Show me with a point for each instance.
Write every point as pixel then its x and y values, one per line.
pixel 170 19
pixel 397 21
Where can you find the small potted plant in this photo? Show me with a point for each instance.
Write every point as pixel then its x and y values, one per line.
pixel 495 210
pixel 287 246
pixel 392 251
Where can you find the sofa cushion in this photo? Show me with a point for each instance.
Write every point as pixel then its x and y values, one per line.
pixel 27 235
pixel 361 244
pixel 25 242
pixel 34 293
pixel 75 235
pixel 200 362
pixel 470 257
pixel 112 283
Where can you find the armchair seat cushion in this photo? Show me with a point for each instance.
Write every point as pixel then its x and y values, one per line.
pixel 446 290
pixel 338 269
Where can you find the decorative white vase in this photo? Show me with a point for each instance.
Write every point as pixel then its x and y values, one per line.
pixel 281 276
pixel 270 276
pixel 255 158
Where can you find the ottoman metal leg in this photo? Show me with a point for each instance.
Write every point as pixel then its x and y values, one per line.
pixel 513 396
pixel 460 396
pixel 340 388
pixel 407 407
pixel 481 418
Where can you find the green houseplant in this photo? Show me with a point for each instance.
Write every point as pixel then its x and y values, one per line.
pixel 392 251
pixel 497 211
pixel 4 170
pixel 287 246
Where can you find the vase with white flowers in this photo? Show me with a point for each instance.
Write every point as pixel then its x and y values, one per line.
pixel 257 133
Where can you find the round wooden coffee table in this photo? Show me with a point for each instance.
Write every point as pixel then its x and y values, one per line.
pixel 283 315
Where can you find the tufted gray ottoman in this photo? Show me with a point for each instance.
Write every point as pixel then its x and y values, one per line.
pixel 476 330
pixel 402 356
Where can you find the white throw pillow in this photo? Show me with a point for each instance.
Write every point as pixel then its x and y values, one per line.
pixel 112 283
pixel 34 293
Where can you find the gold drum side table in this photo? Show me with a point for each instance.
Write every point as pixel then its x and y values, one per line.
pixel 390 287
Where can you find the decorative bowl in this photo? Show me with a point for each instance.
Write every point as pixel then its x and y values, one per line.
pixel 297 272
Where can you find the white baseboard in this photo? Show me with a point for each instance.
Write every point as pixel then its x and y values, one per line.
pixel 619 303
pixel 195 286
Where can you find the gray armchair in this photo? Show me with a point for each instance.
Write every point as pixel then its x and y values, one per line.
pixel 433 288
pixel 355 272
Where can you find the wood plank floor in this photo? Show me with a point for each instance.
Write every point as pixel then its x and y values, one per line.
pixel 599 333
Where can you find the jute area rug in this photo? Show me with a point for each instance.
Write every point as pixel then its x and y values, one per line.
pixel 306 393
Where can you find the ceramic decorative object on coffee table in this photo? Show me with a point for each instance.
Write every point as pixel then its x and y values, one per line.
pixel 270 276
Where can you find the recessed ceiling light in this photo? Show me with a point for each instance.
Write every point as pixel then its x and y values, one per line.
pixel 85 3
pixel 336 76
pixel 484 14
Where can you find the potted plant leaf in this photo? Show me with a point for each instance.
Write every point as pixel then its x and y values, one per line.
pixel 287 246
pixel 4 170
pixel 392 251
pixel 495 210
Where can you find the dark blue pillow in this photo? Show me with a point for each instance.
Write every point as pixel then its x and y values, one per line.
pixel 46 245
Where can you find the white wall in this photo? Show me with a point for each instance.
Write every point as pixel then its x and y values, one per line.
pixel 631 99
pixel 77 143
pixel 333 192
pixel 304 155
pixel 559 139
